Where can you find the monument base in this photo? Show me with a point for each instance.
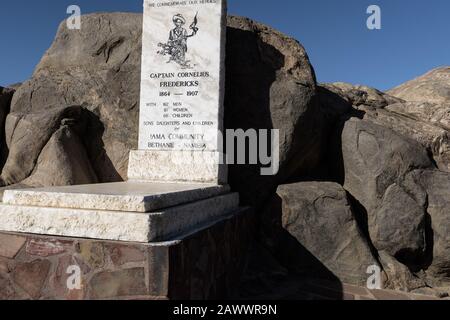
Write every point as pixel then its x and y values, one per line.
pixel 204 264
pixel 125 211
pixel 177 166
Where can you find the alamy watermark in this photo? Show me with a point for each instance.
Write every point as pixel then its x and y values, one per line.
pixel 263 148
pixel 250 147
pixel 374 280
pixel 74 279
pixel 74 21
pixel 374 20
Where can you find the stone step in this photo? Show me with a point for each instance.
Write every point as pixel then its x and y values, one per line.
pixel 116 225
pixel 132 196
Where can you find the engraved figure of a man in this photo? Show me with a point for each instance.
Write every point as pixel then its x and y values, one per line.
pixel 177 47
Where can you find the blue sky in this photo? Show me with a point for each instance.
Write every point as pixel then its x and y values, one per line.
pixel 414 37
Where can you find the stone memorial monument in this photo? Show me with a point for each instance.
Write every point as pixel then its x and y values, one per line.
pixel 182 93
pixel 177 164
pixel 177 188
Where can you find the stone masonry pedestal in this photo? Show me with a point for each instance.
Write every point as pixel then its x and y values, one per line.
pixel 205 264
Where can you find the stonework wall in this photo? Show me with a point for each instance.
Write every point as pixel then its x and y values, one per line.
pixel 204 265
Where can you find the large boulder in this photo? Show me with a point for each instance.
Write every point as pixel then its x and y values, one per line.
pixel 63 161
pixel 418 199
pixel 427 123
pixel 29 137
pixel 437 186
pixel 378 164
pixel 271 85
pixel 315 218
pixel 432 87
pixel 98 68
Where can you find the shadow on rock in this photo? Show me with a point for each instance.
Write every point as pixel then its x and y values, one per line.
pixel 296 264
pixel 54 148
pixel 270 85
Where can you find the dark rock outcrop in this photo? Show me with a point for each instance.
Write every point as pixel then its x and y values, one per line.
pixel 377 167
pixel 437 186
pixel 6 95
pixel 271 85
pixel 393 181
pixel 315 218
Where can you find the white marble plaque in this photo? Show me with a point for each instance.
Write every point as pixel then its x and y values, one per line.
pixel 182 81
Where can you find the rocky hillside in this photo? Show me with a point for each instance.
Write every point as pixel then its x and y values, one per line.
pixel 364 175
pixel 432 87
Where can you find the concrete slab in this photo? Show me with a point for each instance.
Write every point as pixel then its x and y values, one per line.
pixel 116 225
pixel 132 196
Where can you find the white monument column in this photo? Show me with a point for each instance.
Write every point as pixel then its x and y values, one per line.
pixel 176 182
pixel 182 92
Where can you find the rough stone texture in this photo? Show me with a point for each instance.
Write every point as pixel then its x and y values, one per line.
pixel 437 114
pixel 426 115
pixel 117 225
pixel 361 95
pixel 427 123
pixel 377 165
pixel 10 245
pixel 203 265
pixel 128 196
pixel 47 142
pixel 129 282
pixel 63 161
pixel 102 75
pixel 270 85
pixel 31 276
pixel 123 254
pixel 398 276
pixel 437 186
pixel 432 87
pixel 177 166
pixel 7 291
pixel 319 217
pixel 41 248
